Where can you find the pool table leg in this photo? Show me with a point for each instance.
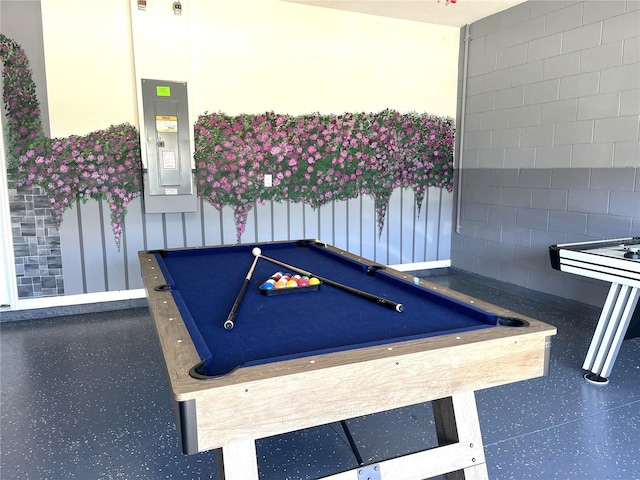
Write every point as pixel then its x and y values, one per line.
pixel 457 421
pixel 237 461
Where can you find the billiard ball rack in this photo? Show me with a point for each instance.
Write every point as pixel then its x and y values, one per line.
pixel 398 307
pixel 271 291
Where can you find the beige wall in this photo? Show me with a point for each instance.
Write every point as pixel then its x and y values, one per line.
pixel 255 56
pixel 89 66
pixel 241 56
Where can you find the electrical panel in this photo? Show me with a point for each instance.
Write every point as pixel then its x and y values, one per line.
pixel 168 176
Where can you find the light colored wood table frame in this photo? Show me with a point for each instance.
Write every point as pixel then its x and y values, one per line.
pixel 603 261
pixel 231 412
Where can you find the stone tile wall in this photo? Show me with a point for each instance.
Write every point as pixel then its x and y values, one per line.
pixel 36 243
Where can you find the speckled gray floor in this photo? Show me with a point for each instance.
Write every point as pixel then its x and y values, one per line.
pixel 84 397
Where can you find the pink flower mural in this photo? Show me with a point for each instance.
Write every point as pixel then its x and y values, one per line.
pixel 314 159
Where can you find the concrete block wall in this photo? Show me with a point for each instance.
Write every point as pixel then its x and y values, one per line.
pixel 551 144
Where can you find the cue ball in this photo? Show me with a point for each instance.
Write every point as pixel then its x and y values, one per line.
pixel 256 251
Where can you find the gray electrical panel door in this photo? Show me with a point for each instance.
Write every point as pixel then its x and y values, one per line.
pixel 168 177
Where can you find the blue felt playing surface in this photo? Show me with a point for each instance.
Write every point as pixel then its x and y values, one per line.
pixel 205 283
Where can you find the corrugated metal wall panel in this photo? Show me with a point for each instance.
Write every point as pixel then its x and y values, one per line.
pixel 92 262
pixel 133 241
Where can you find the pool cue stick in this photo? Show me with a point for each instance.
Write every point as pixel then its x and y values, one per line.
pixel 398 307
pixel 229 323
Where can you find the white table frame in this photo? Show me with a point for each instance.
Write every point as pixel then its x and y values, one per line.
pixel 602 260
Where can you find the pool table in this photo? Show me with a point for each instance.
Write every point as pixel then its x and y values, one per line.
pixel 301 358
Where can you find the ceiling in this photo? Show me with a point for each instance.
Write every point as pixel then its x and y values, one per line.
pixel 438 12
